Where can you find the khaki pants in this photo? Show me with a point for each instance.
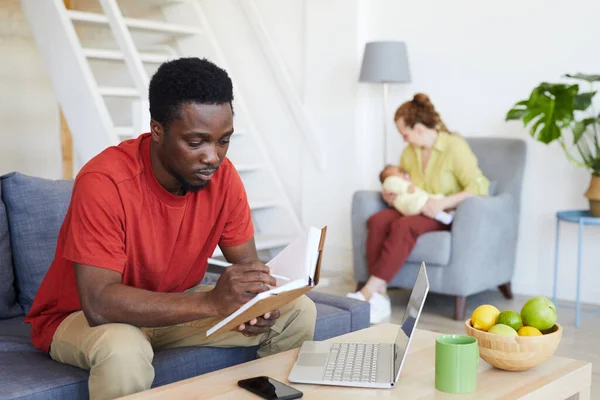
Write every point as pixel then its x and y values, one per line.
pixel 119 356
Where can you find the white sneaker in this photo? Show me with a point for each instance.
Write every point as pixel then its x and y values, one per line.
pixel 357 296
pixel 381 306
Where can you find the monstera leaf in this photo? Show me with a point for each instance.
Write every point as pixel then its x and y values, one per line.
pixel 582 101
pixel 581 126
pixel 554 109
pixel 549 109
pixel 584 77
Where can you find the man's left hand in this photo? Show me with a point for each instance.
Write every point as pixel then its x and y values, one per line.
pixel 260 325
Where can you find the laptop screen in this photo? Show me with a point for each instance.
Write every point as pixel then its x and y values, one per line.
pixel 409 321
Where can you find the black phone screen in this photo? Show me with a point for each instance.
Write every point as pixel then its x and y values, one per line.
pixel 269 388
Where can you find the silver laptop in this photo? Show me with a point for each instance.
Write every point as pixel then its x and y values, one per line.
pixel 368 365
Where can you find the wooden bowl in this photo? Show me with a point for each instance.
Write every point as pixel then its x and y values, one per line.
pixel 515 353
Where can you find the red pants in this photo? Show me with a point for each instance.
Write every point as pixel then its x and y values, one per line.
pixel 391 238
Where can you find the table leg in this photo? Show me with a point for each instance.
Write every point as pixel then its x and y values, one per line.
pixel 585 393
pixel 579 246
pixel 556 242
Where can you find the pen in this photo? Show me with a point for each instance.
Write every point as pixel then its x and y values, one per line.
pixel 283 278
pixel 226 264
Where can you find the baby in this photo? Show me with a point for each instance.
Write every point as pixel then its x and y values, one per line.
pixel 411 199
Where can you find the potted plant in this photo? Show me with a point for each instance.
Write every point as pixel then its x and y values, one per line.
pixel 565 113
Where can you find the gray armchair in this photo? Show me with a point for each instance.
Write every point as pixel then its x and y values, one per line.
pixel 479 251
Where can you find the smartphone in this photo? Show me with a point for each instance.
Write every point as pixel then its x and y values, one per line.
pixel 269 388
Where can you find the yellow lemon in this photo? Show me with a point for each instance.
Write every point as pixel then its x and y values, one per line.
pixel 484 317
pixel 529 331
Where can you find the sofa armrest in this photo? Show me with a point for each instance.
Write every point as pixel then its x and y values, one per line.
pixel 360 311
pixel 484 236
pixel 364 204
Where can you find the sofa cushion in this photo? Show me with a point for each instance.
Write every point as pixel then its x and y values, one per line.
pixel 172 365
pixel 15 327
pixel 433 247
pixel 8 301
pixel 34 375
pixel 331 322
pixel 36 208
pixel 16 343
pixel 14 335
pixel 360 311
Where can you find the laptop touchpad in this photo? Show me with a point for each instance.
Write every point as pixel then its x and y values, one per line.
pixel 312 359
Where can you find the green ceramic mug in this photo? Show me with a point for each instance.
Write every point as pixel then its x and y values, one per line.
pixel 456 363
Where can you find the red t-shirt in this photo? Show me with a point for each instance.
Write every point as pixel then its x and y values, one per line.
pixel 121 218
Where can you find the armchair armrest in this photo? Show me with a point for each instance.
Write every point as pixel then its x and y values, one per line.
pixel 484 235
pixel 364 204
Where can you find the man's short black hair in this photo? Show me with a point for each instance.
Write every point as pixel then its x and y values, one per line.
pixel 187 80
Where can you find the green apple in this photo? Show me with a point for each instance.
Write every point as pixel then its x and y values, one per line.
pixel 539 312
pixel 501 329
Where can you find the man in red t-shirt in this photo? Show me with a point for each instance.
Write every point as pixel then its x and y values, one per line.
pixel 144 218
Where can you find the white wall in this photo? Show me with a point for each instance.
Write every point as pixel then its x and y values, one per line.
pixel 29 124
pixel 330 88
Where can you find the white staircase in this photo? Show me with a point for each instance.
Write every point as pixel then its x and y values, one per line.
pixel 100 57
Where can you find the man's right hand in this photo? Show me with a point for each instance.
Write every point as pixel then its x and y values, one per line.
pixel 237 285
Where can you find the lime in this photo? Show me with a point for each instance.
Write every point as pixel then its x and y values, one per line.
pixel 501 329
pixel 511 318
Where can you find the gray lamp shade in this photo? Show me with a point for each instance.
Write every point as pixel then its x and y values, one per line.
pixel 385 62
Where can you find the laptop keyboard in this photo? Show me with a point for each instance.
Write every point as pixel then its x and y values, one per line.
pixel 354 362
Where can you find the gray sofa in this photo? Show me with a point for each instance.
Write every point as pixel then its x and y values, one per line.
pixel 31 213
pixel 479 251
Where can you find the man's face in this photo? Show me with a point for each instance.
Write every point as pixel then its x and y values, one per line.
pixel 195 144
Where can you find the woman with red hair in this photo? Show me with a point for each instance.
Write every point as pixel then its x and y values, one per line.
pixel 439 162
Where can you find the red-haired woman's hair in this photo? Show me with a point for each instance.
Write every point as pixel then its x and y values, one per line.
pixel 420 109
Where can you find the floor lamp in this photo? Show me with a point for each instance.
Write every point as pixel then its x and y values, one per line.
pixel 385 62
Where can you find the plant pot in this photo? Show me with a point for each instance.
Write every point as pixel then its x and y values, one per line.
pixel 593 195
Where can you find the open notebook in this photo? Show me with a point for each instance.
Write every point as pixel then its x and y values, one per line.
pixel 300 261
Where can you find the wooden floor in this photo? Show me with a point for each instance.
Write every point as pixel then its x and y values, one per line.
pixel 580 343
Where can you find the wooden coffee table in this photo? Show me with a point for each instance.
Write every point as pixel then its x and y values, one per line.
pixel 557 378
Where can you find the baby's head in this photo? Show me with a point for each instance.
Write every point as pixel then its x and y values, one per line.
pixel 392 170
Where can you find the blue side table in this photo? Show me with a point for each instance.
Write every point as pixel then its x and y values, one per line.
pixel 582 218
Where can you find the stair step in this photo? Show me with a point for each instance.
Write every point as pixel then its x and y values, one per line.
pixel 247 167
pixel 264 242
pixel 111 91
pixel 161 3
pixel 115 55
pixel 262 204
pixel 124 132
pixel 134 23
pixel 164 2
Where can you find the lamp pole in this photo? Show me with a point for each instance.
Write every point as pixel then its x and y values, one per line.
pixel 385 123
